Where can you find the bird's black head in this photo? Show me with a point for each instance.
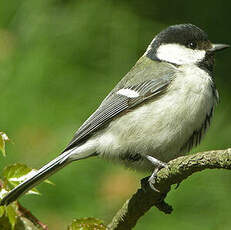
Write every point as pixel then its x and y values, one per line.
pixel 183 44
pixel 186 35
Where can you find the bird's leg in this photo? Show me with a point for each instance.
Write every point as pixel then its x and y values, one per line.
pixel 158 166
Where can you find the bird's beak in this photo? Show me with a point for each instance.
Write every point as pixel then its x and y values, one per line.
pixel 218 47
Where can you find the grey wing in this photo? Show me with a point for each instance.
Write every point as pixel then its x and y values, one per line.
pixel 115 104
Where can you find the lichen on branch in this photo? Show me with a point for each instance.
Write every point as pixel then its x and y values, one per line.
pixel 178 170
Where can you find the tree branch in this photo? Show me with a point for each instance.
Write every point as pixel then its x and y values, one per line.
pixel 28 215
pixel 178 170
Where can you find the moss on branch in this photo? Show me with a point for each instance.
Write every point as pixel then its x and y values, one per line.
pixel 178 170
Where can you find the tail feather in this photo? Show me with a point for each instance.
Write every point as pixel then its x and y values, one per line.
pixel 44 172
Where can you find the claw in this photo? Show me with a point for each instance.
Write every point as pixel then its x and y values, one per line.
pixel 158 166
pixel 152 178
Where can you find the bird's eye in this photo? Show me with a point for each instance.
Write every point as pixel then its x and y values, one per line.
pixel 192 45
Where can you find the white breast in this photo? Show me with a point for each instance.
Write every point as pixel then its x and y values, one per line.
pixel 161 127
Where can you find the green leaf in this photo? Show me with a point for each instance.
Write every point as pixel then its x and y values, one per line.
pixel 34 191
pixel 2 211
pixel 3 139
pixel 87 224
pixel 17 173
pixel 4 223
pixel 12 214
pixel 3 192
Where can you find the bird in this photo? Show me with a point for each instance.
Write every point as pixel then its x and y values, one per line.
pixel 157 112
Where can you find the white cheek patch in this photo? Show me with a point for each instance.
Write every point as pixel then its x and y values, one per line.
pixel 179 54
pixel 128 93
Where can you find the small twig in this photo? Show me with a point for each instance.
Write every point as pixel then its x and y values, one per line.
pixel 177 171
pixel 27 214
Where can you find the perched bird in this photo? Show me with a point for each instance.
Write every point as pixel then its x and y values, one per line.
pixel 157 112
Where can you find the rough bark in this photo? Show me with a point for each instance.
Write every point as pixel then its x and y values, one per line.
pixel 178 170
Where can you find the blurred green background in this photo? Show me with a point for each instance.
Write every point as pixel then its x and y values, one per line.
pixel 58 60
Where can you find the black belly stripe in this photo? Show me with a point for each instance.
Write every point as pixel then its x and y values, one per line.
pixel 130 157
pixel 196 136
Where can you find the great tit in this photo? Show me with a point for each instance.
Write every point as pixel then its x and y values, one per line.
pixel 157 112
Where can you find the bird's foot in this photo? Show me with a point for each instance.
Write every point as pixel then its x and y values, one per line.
pixel 158 166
